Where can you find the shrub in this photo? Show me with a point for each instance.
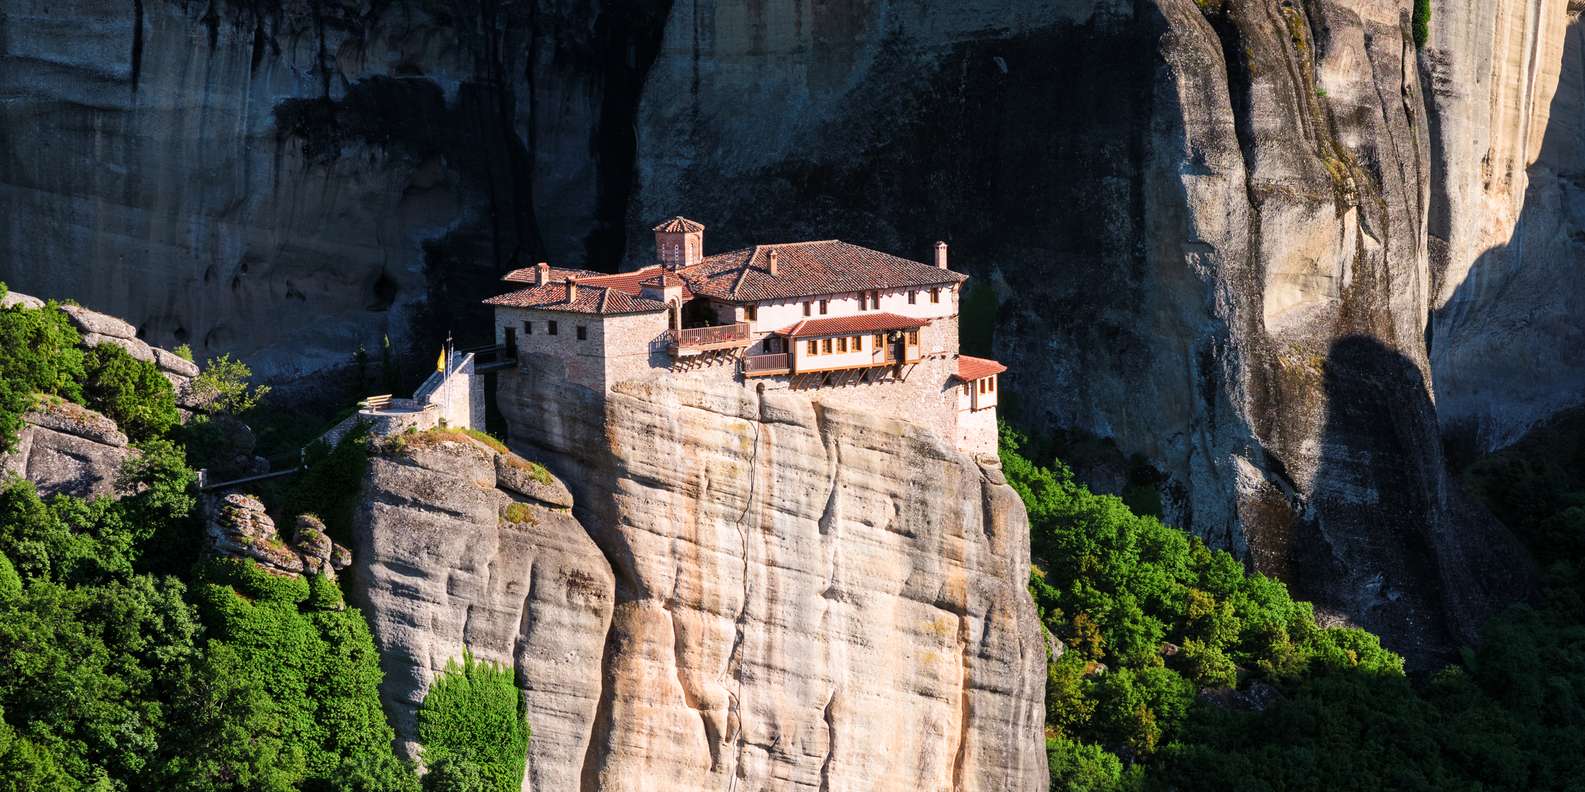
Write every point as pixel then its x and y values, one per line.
pixel 1422 22
pixel 224 386
pixel 131 392
pixel 472 725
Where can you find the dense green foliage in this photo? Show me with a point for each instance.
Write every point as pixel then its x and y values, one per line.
pixel 38 355
pixel 1422 23
pixel 473 729
pixel 1337 712
pixel 316 661
pixel 132 392
pixel 1149 616
pixel 122 665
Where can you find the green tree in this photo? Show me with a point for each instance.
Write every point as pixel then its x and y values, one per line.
pixel 131 392
pixel 225 385
pixel 473 726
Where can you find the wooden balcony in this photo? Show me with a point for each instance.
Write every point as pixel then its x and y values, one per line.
pixel 767 365
pixel 695 340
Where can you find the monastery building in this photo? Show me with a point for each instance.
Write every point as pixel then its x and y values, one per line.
pixel 852 325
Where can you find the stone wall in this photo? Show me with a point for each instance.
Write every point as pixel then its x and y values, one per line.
pixel 977 432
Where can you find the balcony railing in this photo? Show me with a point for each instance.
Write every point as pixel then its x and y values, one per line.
pixel 704 339
pixel 766 365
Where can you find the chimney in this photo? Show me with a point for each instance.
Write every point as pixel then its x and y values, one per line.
pixel 572 289
pixel 941 255
pixel 541 274
pixel 774 269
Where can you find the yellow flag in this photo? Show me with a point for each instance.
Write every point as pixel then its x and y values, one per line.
pixel 440 365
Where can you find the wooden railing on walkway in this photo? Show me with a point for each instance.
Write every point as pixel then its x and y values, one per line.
pixel 766 365
pixel 700 339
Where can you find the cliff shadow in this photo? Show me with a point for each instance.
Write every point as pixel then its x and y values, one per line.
pixel 1390 537
pixel 1505 346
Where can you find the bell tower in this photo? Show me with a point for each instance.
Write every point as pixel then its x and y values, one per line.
pixel 679 242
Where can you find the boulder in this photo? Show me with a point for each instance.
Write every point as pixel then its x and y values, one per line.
pixel 172 363
pixel 133 346
pixel 94 323
pixel 13 298
pixel 239 527
pixel 531 480
pixel 67 449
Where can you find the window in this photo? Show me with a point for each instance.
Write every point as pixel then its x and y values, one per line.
pixel 935 295
pixel 913 296
pixel 807 307
pixel 814 347
pixel 583 333
pixel 968 389
pixel 825 346
pixel 880 340
pixel 550 327
pixel 842 344
pixel 528 327
pixel 913 338
pixel 993 384
pixel 824 304
pixel 864 299
pixel 751 313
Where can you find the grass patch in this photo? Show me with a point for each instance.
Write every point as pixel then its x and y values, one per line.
pixel 519 514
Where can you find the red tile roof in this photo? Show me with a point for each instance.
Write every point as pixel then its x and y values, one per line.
pixel 973 368
pixel 592 299
pixel 679 224
pixel 663 279
pixel 808 269
pixel 526 274
pixel 860 323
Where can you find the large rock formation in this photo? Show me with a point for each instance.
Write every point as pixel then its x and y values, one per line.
pixel 1508 98
pixel 806 597
pixel 460 548
pixel 238 527
pixel 68 449
pixel 1205 224
pixel 1201 222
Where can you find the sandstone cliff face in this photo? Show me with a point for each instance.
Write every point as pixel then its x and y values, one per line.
pixel 806 597
pixel 289 179
pixel 441 565
pixel 1509 103
pixel 1206 228
pixel 1205 223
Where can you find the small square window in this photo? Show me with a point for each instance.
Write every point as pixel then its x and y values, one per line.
pixel 550 327
pixel 880 340
pixel 583 333
pixel 528 327
pixel 913 338
pixel 751 313
pixel 842 344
